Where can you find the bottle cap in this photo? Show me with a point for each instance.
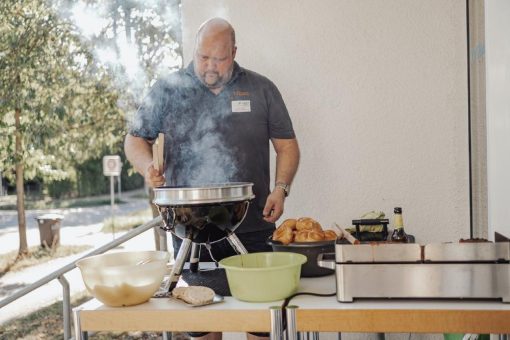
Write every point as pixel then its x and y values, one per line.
pixel 397 210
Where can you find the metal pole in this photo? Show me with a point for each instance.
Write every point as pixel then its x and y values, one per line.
pixel 66 308
pixel 119 190
pixel 236 244
pixel 291 322
pixel 78 335
pixel 276 322
pixel 194 259
pixel 163 244
pixel 112 202
pixel 176 271
pixel 1 184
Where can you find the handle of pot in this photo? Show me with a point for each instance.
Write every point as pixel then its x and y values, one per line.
pixel 326 260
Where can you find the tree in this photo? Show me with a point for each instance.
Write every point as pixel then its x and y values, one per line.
pixel 53 98
pixel 59 101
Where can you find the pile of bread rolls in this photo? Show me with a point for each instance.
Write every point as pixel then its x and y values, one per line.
pixel 304 229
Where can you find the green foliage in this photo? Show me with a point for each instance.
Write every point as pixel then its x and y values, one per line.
pixel 130 180
pixel 73 105
pixel 91 180
pixel 61 189
pixel 67 102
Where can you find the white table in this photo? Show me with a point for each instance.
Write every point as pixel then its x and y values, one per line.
pixel 312 314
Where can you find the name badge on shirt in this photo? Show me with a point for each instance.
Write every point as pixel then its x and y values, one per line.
pixel 241 106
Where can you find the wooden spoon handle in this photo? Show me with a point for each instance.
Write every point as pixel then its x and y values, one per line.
pixel 347 235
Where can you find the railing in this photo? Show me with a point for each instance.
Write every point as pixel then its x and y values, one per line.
pixel 59 274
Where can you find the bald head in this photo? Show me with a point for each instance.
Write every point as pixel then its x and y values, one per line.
pixel 216 28
pixel 215 50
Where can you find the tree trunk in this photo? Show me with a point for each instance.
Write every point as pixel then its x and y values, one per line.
pixel 20 194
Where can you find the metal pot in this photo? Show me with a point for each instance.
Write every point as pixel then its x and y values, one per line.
pixel 204 214
pixel 311 250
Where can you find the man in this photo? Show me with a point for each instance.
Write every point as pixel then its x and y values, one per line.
pixel 218 119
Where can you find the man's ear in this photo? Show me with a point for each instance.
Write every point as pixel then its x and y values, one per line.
pixel 234 52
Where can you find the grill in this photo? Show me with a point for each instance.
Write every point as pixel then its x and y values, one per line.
pixel 202 215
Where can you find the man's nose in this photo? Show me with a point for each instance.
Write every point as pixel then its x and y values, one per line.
pixel 212 64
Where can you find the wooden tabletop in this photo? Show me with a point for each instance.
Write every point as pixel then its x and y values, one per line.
pixel 313 314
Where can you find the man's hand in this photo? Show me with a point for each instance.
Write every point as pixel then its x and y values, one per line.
pixel 274 205
pixel 153 177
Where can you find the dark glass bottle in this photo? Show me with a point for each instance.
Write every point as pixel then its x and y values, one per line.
pixel 399 234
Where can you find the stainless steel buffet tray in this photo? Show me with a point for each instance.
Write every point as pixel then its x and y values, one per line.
pixel 467 252
pixel 442 270
pixel 377 252
pixel 436 252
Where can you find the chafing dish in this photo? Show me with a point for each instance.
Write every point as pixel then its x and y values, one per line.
pixel 442 270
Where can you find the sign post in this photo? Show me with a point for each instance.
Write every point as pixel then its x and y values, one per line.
pixel 112 166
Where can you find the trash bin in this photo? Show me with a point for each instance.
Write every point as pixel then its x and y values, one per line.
pixel 49 229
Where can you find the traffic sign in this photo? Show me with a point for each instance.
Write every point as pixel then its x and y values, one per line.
pixel 112 165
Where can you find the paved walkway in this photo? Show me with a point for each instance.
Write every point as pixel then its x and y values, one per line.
pixel 81 226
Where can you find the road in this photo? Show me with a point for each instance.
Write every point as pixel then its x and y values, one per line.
pixel 74 216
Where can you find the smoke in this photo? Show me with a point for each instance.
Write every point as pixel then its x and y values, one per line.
pixel 109 29
pixel 196 152
pixel 210 161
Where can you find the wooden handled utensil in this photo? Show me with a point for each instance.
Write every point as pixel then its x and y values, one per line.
pixel 158 149
pixel 347 235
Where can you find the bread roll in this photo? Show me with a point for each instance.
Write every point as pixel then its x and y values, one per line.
pixel 330 235
pixel 312 235
pixel 307 223
pixel 283 234
pixel 289 223
pixel 195 295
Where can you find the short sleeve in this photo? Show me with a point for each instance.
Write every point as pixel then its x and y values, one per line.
pixel 280 124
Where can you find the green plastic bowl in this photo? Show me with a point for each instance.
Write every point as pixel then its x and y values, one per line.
pixel 263 277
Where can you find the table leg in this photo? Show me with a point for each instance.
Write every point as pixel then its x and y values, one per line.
pixel 276 323
pixel 291 323
pixel 78 333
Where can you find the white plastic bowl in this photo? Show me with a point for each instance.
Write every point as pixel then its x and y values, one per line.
pixel 124 278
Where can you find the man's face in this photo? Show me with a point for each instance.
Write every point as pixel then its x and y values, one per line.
pixel 214 60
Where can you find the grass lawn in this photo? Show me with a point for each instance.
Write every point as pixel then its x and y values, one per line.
pixel 37 255
pixel 127 222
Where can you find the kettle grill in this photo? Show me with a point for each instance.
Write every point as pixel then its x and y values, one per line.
pixel 202 215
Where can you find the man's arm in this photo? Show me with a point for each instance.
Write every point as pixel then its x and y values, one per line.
pixel 139 154
pixel 287 161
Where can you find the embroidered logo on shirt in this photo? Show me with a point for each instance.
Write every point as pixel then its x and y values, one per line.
pixel 238 93
pixel 241 106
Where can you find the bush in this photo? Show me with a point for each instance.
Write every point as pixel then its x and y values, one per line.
pixel 61 189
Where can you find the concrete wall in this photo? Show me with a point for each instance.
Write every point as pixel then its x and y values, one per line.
pixel 377 91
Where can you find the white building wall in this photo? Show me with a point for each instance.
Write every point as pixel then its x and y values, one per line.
pixel 497 45
pixel 377 91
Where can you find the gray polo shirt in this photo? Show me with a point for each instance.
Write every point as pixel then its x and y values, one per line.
pixel 217 138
